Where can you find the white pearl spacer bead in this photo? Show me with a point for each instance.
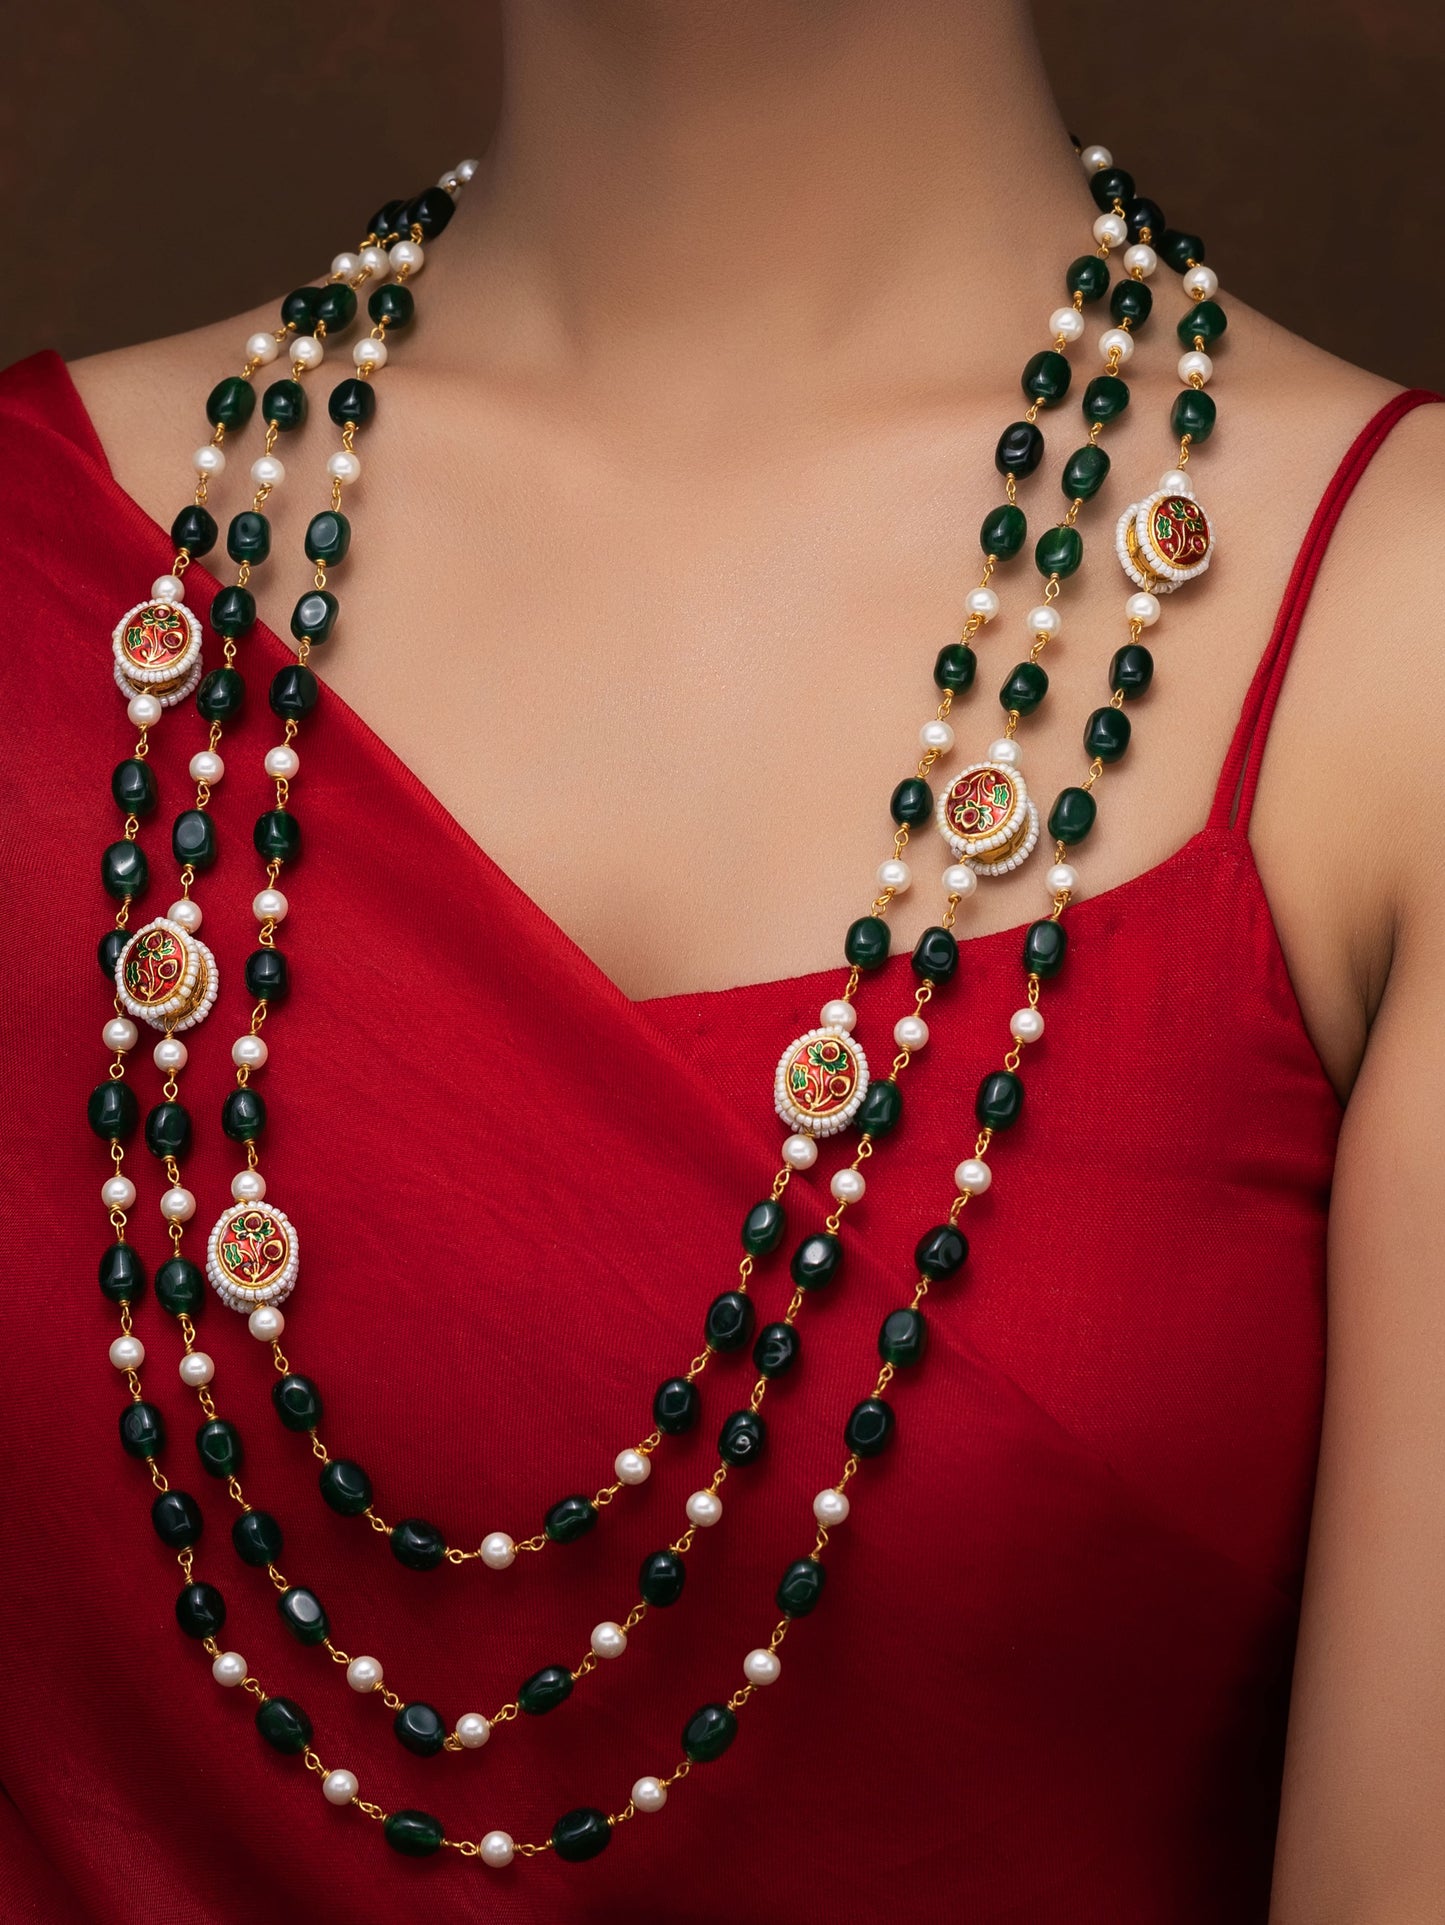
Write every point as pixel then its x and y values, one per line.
pixel 1140 259
pixel 369 353
pixel 1176 482
pixel 282 762
pixel 1111 228
pixel 248 1186
pixel 269 905
pixel 209 460
pixel 364 1674
pixel 374 260
pixel 187 913
pixel 972 1176
pixel 910 1032
pixel 497 1849
pixel 1142 607
pixel 466 169
pixel 649 1794
pixel 800 1152
pixel 339 1787
pixel 262 348
pixel 1066 324
pixel 831 1507
pixel 117 1193
pixel 345 265
pixel 120 1033
pixel 959 879
pixel 632 1467
pixel 608 1640
pixel 1026 1025
pixel 838 1014
pixel 761 1667
pixel 206 766
pixel 266 1324
pixel 229 1669
pixel 168 588
pixel 1116 341
pixel 127 1353
pixel 268 471
pixel 1201 283
pixel 704 1508
pixel 178 1205
pixel 250 1052
pixel 344 467
pixel 1005 750
pixel 408 254
pixel 847 1185
pixel 196 1369
pixel 894 874
pixel 170 1054
pixel 307 350
pixel 498 1550
pixel 473 1731
pixel 1044 620
pixel 936 735
pixel 1096 157
pixel 983 602
pixel 1196 361
pixel 144 711
pixel 1062 879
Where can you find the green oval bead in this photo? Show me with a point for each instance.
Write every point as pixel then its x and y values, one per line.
pixel 545 1690
pixel 1193 414
pixel 880 1110
pixel 200 1610
pixel 661 1578
pixel 1106 734
pixel 277 836
pixel 193 839
pixel 415 1834
pixel 955 667
pixel 248 538
pixel 1000 1100
pixel 328 535
pixel 1003 531
pixel 1105 398
pixel 194 529
pixel 420 1728
pixel 168 1130
pixel 1085 472
pixel 742 1438
pixel 417 1545
pixel 233 612
pixel 122 1274
pixel 816 1260
pixel 866 944
pixel 298 310
pixel 570 1519
pixel 1131 671
pixel 180 1287
pixel 708 1733
pixel 581 1834
pixel 231 403
pixel 1089 276
pixel 1020 449
pixel 392 303
pixel 345 1487
pixel 935 955
pixel 177 1520
pixel 294 692
pixel 903 1338
pixel 763 1227
pixel 1045 946
pixel 911 802
pixel 1111 184
pixel 1180 251
pixel 133 786
pixel 675 1407
pixel 335 306
pixel 941 1252
pixel 729 1323
pixel 314 616
pixel 801 1587
pixel 1072 815
pixel 124 871
pixel 297 1402
pixel 1132 301
pixel 257 1539
pixel 1205 322
pixel 286 1728
pixel 112 1111
pixel 284 405
pixel 243 1115
pixel 267 976
pixel 142 1430
pixel 222 695
pixel 302 1614
pixel 352 401
pixel 1058 551
pixel 1046 377
pixel 776 1350
pixel 1025 688
pixel 219 1446
pixel 869 1430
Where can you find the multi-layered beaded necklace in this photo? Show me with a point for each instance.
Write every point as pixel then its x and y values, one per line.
pixel 164 976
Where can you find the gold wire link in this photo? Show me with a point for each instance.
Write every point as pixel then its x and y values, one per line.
pixel 337 1657
pixel 371 1810
pixel 635 1615
pixel 378 1524
pixel 277 1578
pixel 740 1697
pixel 605 1496
pixel 278 1360
pixel 389 1698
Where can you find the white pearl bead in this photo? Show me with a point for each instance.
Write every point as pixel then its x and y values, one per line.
pixel 1044 620
pixel 800 1152
pixel 632 1467
pixel 206 766
pixel 144 711
pixel 209 460
pixel 374 260
pixel 1005 750
pixel 196 1369
pixel 983 602
pixel 249 1052
pixel 910 1032
pixel 168 588
pixel 894 874
pixel 497 1849
pixel 649 1794
pixel 498 1550
pixel 473 1730
pixel 369 353
pixel 364 1674
pixel 847 1185
pixel 972 1176
pixel 120 1033
pixel 127 1353
pixel 408 254
pixel 178 1205
pixel 1142 607
pixel 1066 324
pixel 959 879
pixel 262 348
pixel 266 1324
pixel 761 1667
pixel 170 1054
pixel 339 1787
pixel 831 1507
pixel 704 1508
pixel 344 467
pixel 1116 341
pixel 838 1014
pixel 1111 228
pixel 608 1640
pixel 936 735
pixel 282 762
pixel 307 351
pixel 269 905
pixel 465 169
pixel 345 266
pixel 1201 283
pixel 229 1669
pixel 117 1193
pixel 187 913
pixel 1176 482
pixel 268 471
pixel 1027 1025
pixel 248 1186
pixel 1096 157
pixel 1140 259
pixel 1062 879
pixel 1195 362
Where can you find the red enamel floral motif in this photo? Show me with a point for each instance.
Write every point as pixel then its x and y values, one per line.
pixel 1180 531
pixel 153 966
pixel 981 802
pixel 253 1249
pixel 821 1076
pixel 156 636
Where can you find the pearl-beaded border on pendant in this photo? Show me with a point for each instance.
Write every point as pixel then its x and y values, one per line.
pixel 1160 577
pixel 230 1293
pixel 168 698
pixel 186 1007
pixel 970 848
pixel 797 1119
pixel 189 656
pixel 1021 854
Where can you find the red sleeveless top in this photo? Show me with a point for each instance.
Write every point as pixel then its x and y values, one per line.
pixel 1048 1678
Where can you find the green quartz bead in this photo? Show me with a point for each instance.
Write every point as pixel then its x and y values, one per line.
pixel 133 786
pixel 248 538
pixel 866 944
pixel 1072 815
pixel 911 802
pixel 742 1438
pixel 941 1252
pixel 1111 184
pixel 880 1110
pixel 293 693
pixel 1045 946
pixel 1058 551
pixel 298 310
pixel 676 1406
pixel 122 1274
pixel 1132 301
pixel 286 1728
pixel 193 839
pixel 776 1350
pixel 1025 688
pixel 231 403
pixel 1205 322
pixel 277 836
pixel 194 529
pixel 142 1431
pixel 417 1545
pixel 708 1733
pixel 415 1834
pixel 297 1402
pixel 661 1578
pixel 267 976
pixel 571 1518
pixel 1085 472
pixel 1000 1100
pixel 107 952
pixel 1180 251
pixel 351 402
pixel 1131 671
pixel 420 1728
pixel 1105 398
pixel 112 1111
pixel 581 1834
pixel 243 1115
pixel 935 955
pixel 177 1520
pixel 1193 414
pixel 257 1539
pixel 233 612
pixel 1107 734
pixel 729 1323
pixel 180 1287
pixel 1046 377
pixel 763 1227
pixel 1089 276
pixel 335 306
pixel 1003 531
pixel 956 667
pixel 392 303
pixel 168 1130
pixel 345 1488
pixel 200 1610
pixel 869 1429
pixel 801 1587
pixel 816 1261
pixel 302 1614
pixel 124 871
pixel 1020 449
pixel 222 695
pixel 545 1690
pixel 328 535
pixel 314 616
pixel 284 405
pixel 903 1338
pixel 219 1446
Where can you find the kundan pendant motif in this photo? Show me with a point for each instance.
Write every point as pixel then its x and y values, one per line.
pixel 251 1258
pixel 1164 540
pixel 166 977
pixel 987 818
pixel 821 1082
pixel 157 647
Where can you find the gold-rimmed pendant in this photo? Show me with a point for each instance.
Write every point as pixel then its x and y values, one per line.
pixel 1164 541
pixel 988 819
pixel 821 1081
pixel 166 977
pixel 252 1256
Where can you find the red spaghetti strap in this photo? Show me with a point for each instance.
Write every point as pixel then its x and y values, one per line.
pixel 1239 778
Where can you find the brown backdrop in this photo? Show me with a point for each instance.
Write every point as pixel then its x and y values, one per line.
pixel 167 165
